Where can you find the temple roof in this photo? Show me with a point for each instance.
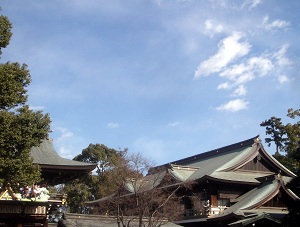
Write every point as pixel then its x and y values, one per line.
pixel 225 164
pixel 56 169
pixel 253 201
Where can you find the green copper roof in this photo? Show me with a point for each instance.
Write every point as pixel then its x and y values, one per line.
pixel 45 154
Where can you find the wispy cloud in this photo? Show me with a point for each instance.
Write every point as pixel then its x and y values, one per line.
pixel 250 4
pixel 173 124
pixel 238 75
pixel 211 29
pixel 283 79
pixel 223 86
pixel 36 108
pixel 234 105
pixel 275 24
pixel 113 125
pixel 247 71
pixel 230 49
pixel 64 141
pixel 280 56
pixel 240 91
pixel 64 134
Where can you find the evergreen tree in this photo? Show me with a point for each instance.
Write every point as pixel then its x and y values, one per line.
pixel 20 127
pixel 286 137
pixel 287 140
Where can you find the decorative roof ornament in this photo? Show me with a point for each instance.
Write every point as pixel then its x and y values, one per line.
pixel 257 140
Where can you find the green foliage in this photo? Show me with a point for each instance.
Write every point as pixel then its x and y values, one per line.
pixel 13 79
pixel 110 170
pixel 275 129
pixel 105 157
pixel 20 127
pixel 286 138
pixel 78 192
pixel 5 32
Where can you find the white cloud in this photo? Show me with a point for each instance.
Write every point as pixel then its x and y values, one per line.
pixel 260 65
pixel 65 152
pixel 240 91
pixel 283 79
pixel 250 4
pixel 63 142
pixel 245 78
pixel 36 108
pixel 245 72
pixel 234 71
pixel 211 29
pixel 229 49
pixel 282 60
pixel 274 24
pixel 65 134
pixel 223 86
pixel 113 125
pixel 234 105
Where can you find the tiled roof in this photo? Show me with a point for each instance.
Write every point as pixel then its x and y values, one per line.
pixel 45 154
pixel 223 163
pixel 254 198
pixel 181 173
pixel 249 177
pixel 253 219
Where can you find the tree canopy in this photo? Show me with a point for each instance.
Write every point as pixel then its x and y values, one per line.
pixel 110 163
pixel 20 127
pixel 287 140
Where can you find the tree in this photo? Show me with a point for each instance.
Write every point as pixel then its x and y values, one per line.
pixel 78 192
pixel 95 186
pixel 141 200
pixel 287 140
pixel 20 127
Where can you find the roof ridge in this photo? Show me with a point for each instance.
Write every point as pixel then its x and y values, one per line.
pixel 220 150
pixel 210 153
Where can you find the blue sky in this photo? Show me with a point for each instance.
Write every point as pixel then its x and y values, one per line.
pixel 166 78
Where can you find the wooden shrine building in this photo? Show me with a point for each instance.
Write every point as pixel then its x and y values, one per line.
pixel 236 185
pixel 17 210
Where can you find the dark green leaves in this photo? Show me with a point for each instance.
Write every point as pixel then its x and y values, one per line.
pixel 20 127
pixel 5 31
pixel 14 79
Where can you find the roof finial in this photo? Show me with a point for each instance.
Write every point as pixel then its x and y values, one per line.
pixel 257 140
pixel 279 174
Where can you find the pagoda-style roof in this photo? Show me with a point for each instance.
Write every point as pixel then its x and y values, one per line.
pixel 55 169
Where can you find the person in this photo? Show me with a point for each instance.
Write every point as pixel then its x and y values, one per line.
pixel 207 207
pixel 26 192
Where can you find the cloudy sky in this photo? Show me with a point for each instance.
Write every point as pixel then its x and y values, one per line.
pixel 167 78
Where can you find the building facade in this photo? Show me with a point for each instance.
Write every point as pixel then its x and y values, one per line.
pixel 236 185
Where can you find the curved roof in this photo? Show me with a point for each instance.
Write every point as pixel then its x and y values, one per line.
pixel 56 169
pixel 45 154
pixel 224 164
pixel 257 197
